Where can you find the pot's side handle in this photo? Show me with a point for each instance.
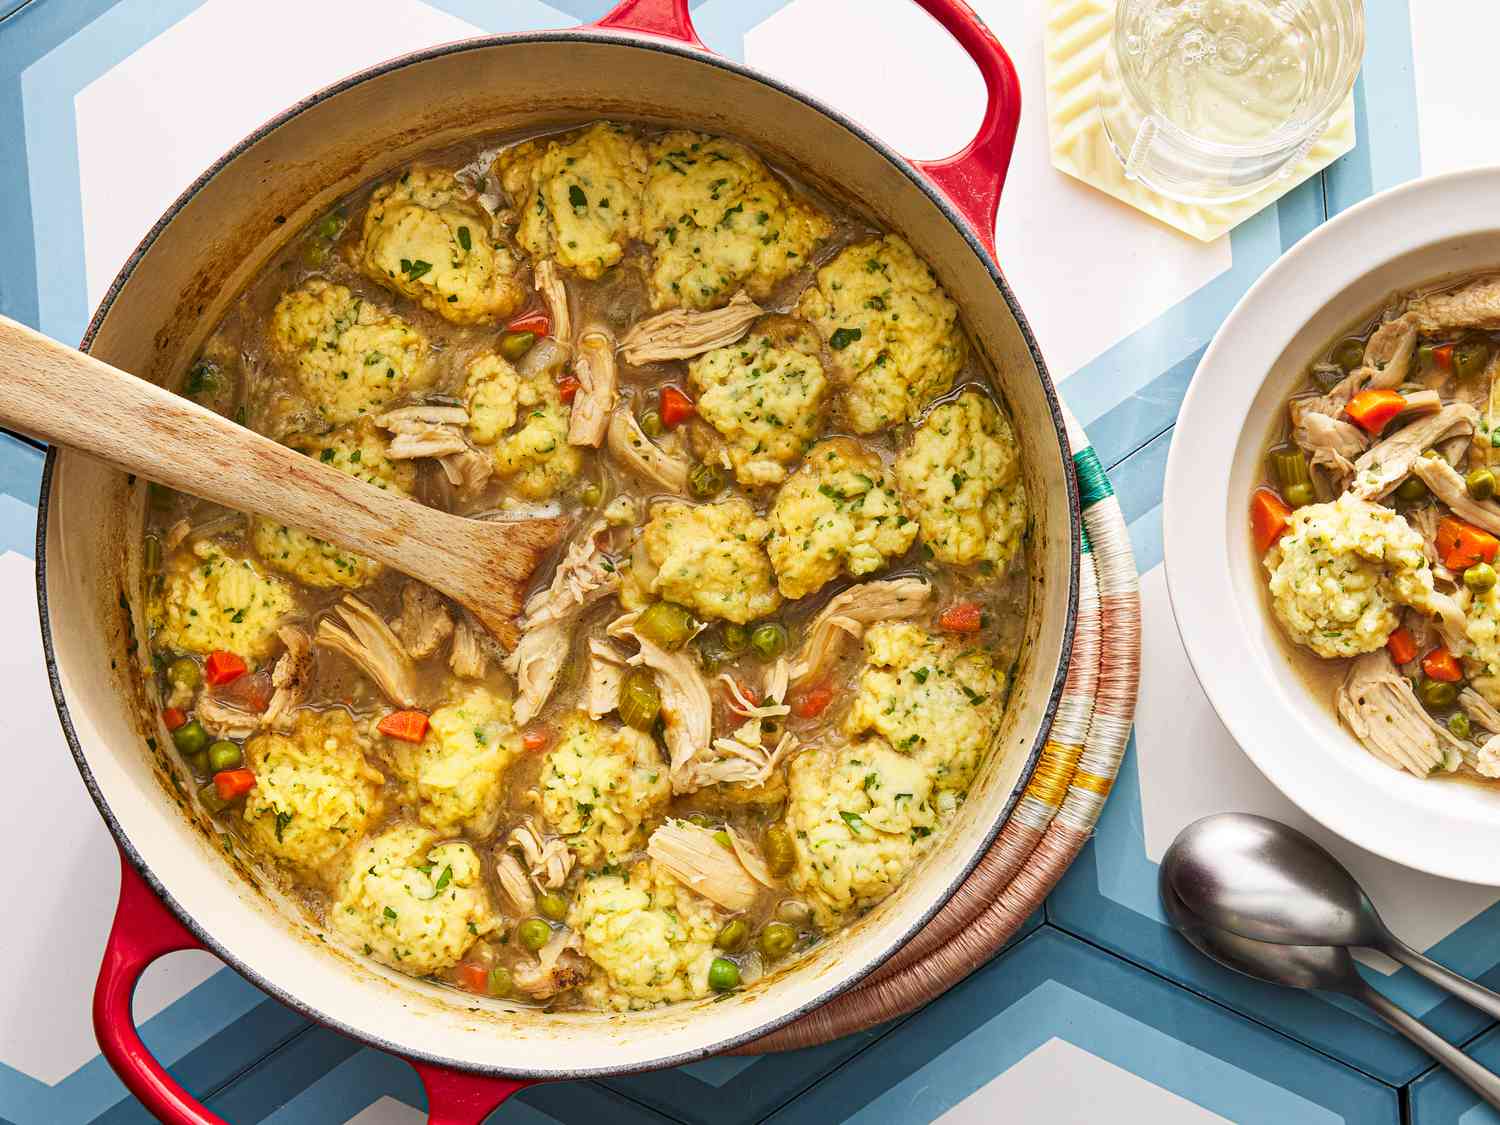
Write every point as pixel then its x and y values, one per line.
pixel 143 930
pixel 668 18
pixel 454 1098
pixel 973 177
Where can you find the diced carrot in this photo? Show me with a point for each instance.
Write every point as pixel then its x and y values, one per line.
pixel 812 702
pixel 567 387
pixel 1402 646
pixel 1460 545
pixel 408 726
pixel 536 738
pixel 1440 664
pixel 474 978
pixel 1372 410
pixel 1442 355
pixel 676 407
pixel 1268 518
pixel 537 322
pixel 173 717
pixel 223 667
pixel 233 783
pixel 961 617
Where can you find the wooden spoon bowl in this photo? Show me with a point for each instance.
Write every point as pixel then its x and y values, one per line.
pixel 60 395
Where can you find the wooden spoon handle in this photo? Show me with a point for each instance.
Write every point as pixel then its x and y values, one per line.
pixel 63 396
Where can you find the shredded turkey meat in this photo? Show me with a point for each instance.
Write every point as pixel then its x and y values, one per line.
pixel 1378 704
pixel 514 882
pixel 1382 467
pixel 1473 306
pixel 437 432
pixel 847 615
pixel 424 622
pixel 549 861
pixel 289 677
pixel 549 284
pixel 686 709
pixel 1479 710
pixel 1443 481
pixel 743 756
pixel 606 674
pixel 642 456
pixel 695 858
pixel 684 333
pixel 557 968
pixel 1330 444
pixel 469 658
pixel 223 719
pixel 1386 363
pixel 594 368
pixel 368 641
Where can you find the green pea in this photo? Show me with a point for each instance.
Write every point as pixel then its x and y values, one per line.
pixel 552 905
pixel 723 975
pixel 1299 495
pixel 498 984
pixel 666 624
pixel 198 762
pixel 1458 725
pixel 652 425
pixel 1349 354
pixel 533 934
pixel 733 935
pixel 209 796
pixel 780 854
pixel 705 480
pixel 768 640
pixel 190 737
pixel 1437 693
pixel 513 345
pixel 1470 357
pixel 777 939
pixel 152 554
pixel 183 673
pixel 225 755
pixel 1480 577
pixel 1412 489
pixel 640 700
pixel 736 638
pixel 1481 484
pixel 330 225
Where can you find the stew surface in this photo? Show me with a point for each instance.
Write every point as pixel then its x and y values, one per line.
pixel 756 682
pixel 1377 523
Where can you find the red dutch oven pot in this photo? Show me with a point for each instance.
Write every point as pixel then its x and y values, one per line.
pixel 643 62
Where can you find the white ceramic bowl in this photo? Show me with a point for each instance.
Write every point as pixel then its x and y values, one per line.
pixel 1343 271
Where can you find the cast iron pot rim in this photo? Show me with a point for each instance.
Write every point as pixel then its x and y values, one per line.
pixel 927 187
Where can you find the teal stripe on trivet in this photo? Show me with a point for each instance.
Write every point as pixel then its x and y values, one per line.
pixel 1093 484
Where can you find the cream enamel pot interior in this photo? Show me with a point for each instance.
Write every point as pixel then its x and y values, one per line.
pixel 1339 275
pixel 641 63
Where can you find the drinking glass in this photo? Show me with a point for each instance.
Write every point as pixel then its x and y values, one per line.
pixel 1208 101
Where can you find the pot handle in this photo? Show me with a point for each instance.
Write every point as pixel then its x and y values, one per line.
pixel 144 929
pixel 971 178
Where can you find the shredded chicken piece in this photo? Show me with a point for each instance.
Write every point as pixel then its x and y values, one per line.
pixel 1479 710
pixel 642 456
pixel 369 643
pixel 1443 481
pixel 750 858
pixel 1421 402
pixel 549 284
pixel 289 677
pixel 1425 520
pixel 424 622
pixel 536 663
pixel 1384 466
pixel 695 858
pixel 175 535
pixel 1378 705
pixel 437 432
pixel 606 674
pixel 1473 306
pixel 584 576
pixel 1330 444
pixel 684 333
pixel 224 720
pixel 594 367
pixel 686 709
pixel 469 657
pixel 771 705
pixel 549 860
pixel 1487 760
pixel 846 617
pixel 557 968
pixel 1387 361
pixel 515 884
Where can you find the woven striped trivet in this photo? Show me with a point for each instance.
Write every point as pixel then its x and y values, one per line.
pixel 1061 804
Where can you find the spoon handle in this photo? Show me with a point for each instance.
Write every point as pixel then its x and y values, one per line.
pixel 1480 1079
pixel 1445 978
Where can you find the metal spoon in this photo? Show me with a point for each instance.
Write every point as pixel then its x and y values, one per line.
pixel 1328 969
pixel 1261 879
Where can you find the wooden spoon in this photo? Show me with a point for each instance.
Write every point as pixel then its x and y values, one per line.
pixel 65 397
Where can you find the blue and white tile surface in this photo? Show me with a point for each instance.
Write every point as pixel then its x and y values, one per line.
pixel 109 107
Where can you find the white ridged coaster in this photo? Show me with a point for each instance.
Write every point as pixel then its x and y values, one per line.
pixel 1075 37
